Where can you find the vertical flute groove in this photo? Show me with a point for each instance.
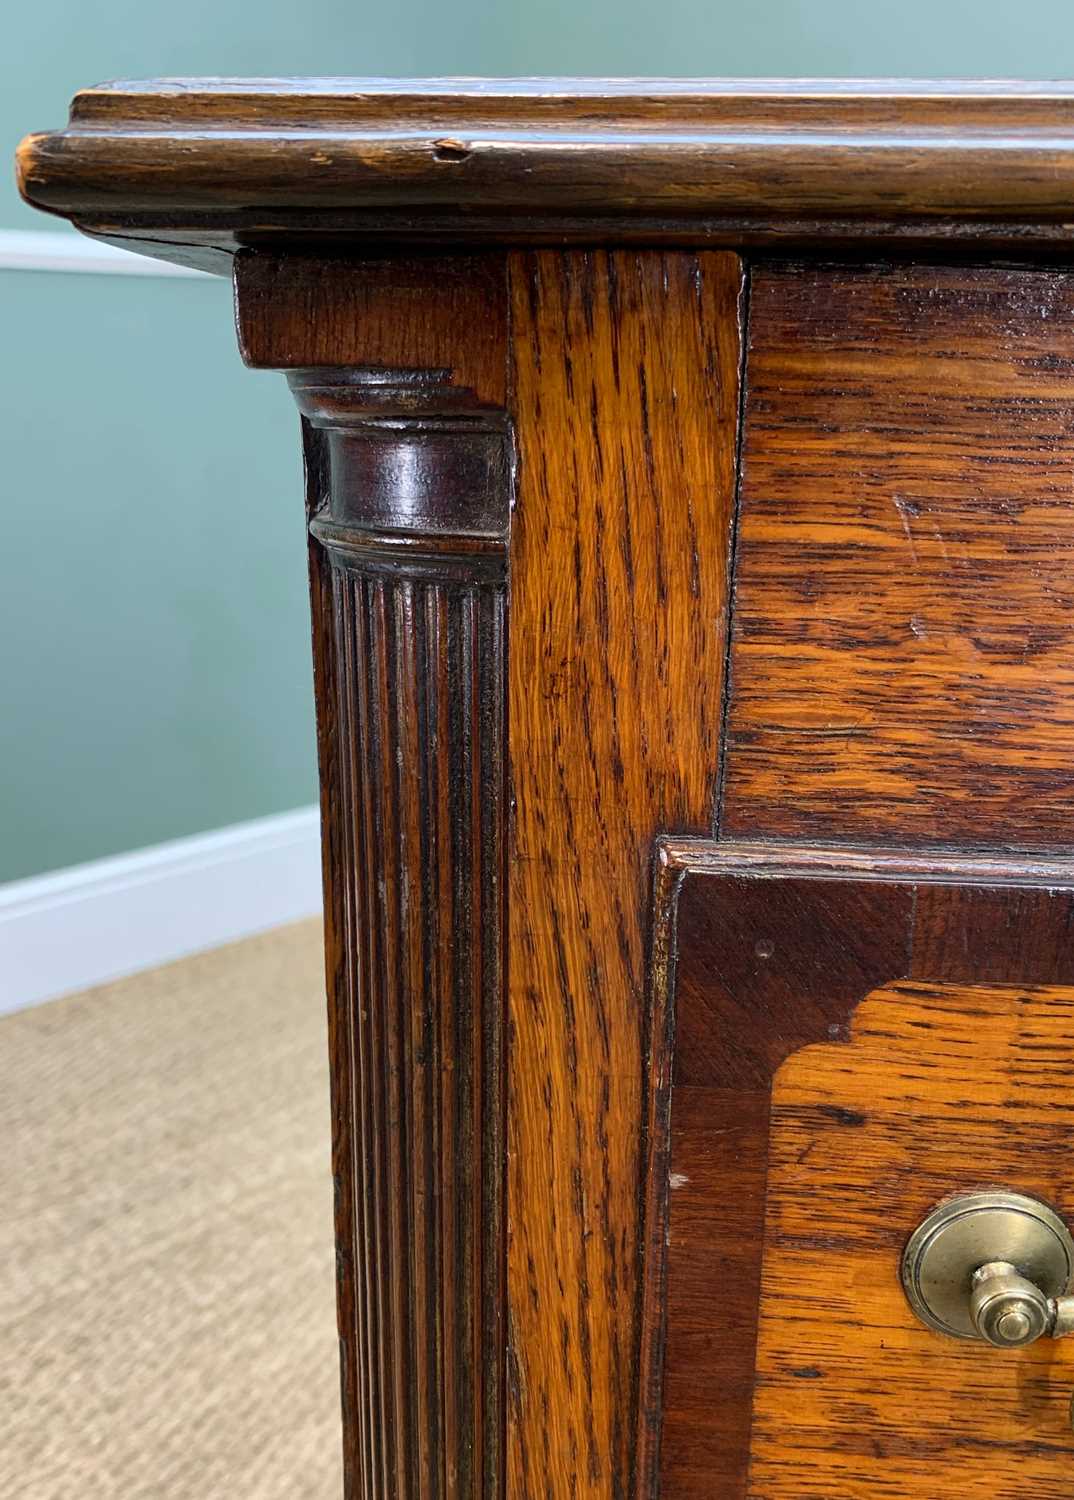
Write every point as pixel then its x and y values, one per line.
pixel 354 929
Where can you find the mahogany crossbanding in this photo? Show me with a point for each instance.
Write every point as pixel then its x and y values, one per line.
pixel 763 950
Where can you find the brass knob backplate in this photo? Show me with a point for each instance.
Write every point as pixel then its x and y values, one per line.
pixel 989 1266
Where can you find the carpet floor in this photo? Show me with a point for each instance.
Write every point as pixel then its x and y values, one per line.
pixel 167 1322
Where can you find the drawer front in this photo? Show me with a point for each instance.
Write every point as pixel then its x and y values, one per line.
pixel 902 666
pixel 851 1038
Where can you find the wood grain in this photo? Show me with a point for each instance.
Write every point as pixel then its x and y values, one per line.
pixel 943 1089
pixel 903 651
pixel 902 673
pixel 420 650
pixel 773 948
pixel 408 494
pixel 764 968
pixel 425 942
pixel 443 314
pixel 196 168
pixel 331 752
pixel 624 395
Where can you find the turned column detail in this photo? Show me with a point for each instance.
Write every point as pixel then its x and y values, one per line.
pixel 409 489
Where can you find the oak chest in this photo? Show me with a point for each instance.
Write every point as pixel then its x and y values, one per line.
pixel 690 480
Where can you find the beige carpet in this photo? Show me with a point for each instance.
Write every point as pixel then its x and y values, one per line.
pixel 167 1326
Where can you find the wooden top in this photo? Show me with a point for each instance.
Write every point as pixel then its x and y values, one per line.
pixel 199 167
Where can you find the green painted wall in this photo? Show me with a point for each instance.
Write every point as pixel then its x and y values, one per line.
pixel 154 678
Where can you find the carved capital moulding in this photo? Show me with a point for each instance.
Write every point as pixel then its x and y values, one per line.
pixel 688 473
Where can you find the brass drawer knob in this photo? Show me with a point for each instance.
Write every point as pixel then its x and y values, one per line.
pixel 992 1266
pixel 1008 1309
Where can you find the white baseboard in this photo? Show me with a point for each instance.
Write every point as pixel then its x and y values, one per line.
pixel 81 926
pixel 60 250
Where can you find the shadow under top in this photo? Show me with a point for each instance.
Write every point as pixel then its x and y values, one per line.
pixel 193 169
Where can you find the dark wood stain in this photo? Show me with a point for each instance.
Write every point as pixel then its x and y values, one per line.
pixel 903 651
pixel 431 315
pixel 408 491
pixel 195 169
pixel 776 966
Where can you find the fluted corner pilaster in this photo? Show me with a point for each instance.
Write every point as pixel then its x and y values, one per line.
pixel 409 484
